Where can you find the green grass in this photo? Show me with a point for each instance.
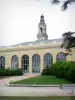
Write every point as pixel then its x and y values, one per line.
pixel 43 80
pixel 37 98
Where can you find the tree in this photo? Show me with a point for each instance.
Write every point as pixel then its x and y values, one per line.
pixel 65 3
pixel 68 40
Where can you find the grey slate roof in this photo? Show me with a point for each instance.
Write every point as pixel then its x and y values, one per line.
pixel 42 41
pixel 35 42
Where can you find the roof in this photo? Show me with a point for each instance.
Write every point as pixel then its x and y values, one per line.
pixel 35 43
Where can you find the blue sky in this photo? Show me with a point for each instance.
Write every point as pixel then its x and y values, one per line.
pixel 19 20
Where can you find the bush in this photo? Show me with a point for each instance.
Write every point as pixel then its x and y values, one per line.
pixel 8 72
pixel 71 72
pixel 47 71
pixel 1 72
pixel 66 68
pixel 18 71
pixel 13 72
pixel 61 69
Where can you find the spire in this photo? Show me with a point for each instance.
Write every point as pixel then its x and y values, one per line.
pixel 42 19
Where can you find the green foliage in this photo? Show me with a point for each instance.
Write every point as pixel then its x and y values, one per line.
pixel 2 72
pixel 47 71
pixel 66 68
pixel 62 69
pixel 20 71
pixel 37 98
pixel 59 68
pixel 71 72
pixel 68 40
pixel 8 72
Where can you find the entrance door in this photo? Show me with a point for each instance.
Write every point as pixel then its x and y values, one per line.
pixel 25 63
pixel 48 60
pixel 2 62
pixel 36 63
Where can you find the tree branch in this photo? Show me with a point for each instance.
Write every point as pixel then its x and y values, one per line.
pixel 55 1
pixel 65 4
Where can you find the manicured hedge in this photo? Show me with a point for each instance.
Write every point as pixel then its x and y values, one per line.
pixel 8 72
pixel 61 69
pixel 71 72
pixel 48 71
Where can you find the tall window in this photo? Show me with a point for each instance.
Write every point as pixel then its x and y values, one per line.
pixel 25 63
pixel 2 62
pixel 36 63
pixel 14 62
pixel 48 60
pixel 61 56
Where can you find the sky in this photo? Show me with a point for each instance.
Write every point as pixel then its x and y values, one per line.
pixel 19 20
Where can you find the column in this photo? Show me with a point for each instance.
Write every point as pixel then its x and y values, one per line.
pixel 19 61
pixel 8 61
pixel 30 64
pixel 41 63
pixel 54 57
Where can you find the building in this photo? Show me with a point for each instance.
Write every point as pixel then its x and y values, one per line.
pixel 34 56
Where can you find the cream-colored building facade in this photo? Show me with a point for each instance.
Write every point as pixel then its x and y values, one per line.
pixel 34 56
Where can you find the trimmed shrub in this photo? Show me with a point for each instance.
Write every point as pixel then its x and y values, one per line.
pixel 2 72
pixel 19 71
pixel 13 72
pixel 47 71
pixel 8 72
pixel 61 69
pixel 71 72
pixel 66 68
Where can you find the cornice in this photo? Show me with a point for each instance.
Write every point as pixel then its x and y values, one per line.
pixel 33 47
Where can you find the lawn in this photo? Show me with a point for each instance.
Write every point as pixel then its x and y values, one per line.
pixel 37 98
pixel 43 80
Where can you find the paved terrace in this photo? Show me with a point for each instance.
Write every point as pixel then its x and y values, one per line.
pixel 28 91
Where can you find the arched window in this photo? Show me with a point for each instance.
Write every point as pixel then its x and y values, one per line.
pixel 48 60
pixel 25 63
pixel 61 56
pixel 14 62
pixel 36 63
pixel 2 62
